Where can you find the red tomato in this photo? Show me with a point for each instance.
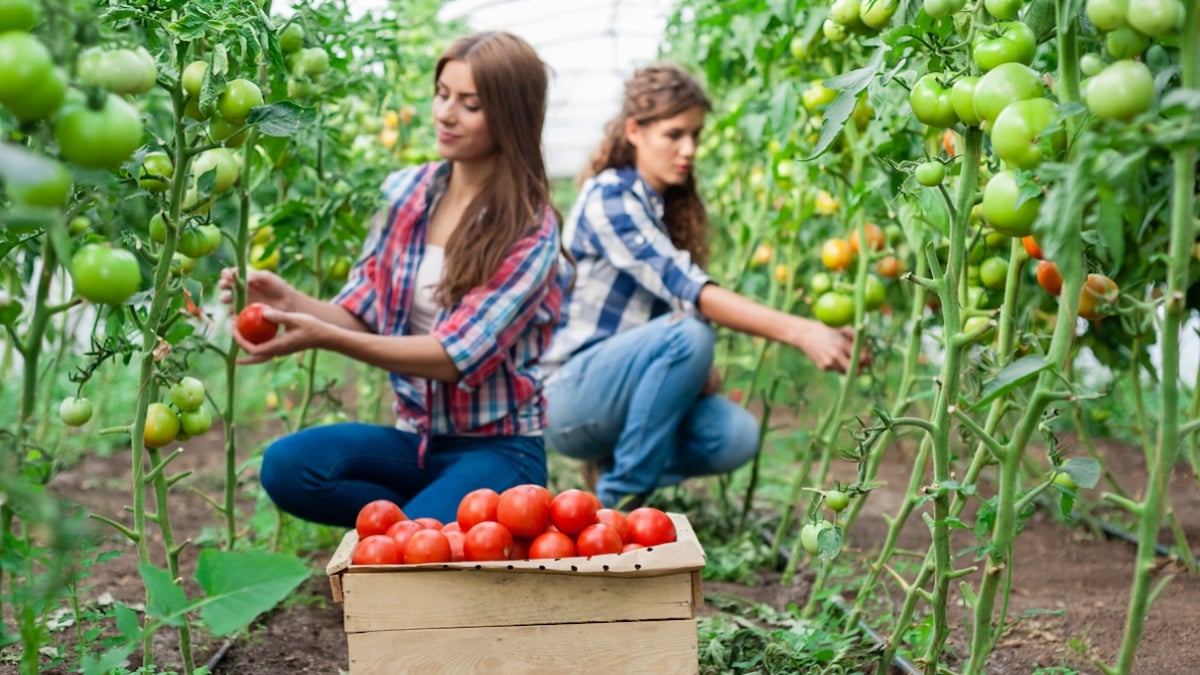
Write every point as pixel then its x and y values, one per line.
pixel 376 549
pixel 488 541
pixel 456 539
pixel 524 510
pixel 573 510
pixel 427 546
pixel 376 517
pixel 631 546
pixel 252 325
pixel 401 531
pixel 429 523
pixel 598 539
pixel 616 520
pixel 551 545
pixel 476 507
pixel 540 489
pixel 451 526
pixel 520 549
pixel 1032 248
pixel 650 527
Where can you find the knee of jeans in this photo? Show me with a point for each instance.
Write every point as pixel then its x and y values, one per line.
pixel 741 442
pixel 696 338
pixel 278 471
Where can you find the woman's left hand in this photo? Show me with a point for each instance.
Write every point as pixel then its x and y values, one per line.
pixel 300 332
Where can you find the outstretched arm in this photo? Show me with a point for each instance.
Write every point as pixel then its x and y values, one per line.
pixel 829 348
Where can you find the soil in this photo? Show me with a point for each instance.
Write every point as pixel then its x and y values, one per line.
pixel 1070 586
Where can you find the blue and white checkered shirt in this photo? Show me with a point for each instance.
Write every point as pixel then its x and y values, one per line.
pixel 627 270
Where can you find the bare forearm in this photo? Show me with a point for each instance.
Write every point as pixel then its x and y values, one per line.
pixel 726 308
pixel 413 355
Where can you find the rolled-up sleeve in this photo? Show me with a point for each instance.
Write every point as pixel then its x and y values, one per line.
pixel 633 242
pixel 358 295
pixel 479 333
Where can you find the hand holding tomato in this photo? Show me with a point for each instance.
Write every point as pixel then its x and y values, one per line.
pixel 262 287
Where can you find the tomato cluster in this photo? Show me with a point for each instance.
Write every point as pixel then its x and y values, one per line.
pixel 526 522
pixel 834 306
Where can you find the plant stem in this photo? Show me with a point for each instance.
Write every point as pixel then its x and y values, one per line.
pixel 1182 237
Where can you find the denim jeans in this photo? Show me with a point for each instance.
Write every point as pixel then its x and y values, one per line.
pixel 632 403
pixel 326 474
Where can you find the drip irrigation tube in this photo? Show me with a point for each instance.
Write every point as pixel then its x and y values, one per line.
pixel 216 659
pixel 899 663
pixel 1111 531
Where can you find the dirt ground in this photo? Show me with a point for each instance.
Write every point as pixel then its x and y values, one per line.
pixel 1071 585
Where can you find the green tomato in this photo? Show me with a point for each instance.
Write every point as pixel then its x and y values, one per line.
pixel 810 535
pixel 820 283
pixel 157 170
pixel 1000 208
pixel 962 97
pixel 226 133
pixel 223 163
pixel 100 139
pixel 49 188
pixel 844 12
pixel 993 272
pixel 340 269
pixel 1003 10
pixel 300 88
pixel 940 8
pixel 931 102
pixel 833 308
pixel 1005 84
pixel 834 31
pixel 197 242
pixel 120 71
pixel 1091 64
pixel 1064 480
pixel 157 228
pixel 182 265
pixel 104 275
pixel 975 323
pixel 79 225
pixel 238 99
pixel 162 425
pixel 1155 18
pixel 930 174
pixel 1013 42
pixel 1107 15
pixel 1018 130
pixel 187 394
pixel 24 64
pixel 313 61
pixel 1121 91
pixel 75 412
pixel 291 38
pixel 798 49
pixel 196 422
pixel 836 500
pixel 193 78
pixel 42 100
pixel 875 14
pixel 1125 43
pixel 874 293
pixel 17 15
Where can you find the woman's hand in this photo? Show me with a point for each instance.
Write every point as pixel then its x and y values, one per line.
pixel 261 286
pixel 300 332
pixel 829 348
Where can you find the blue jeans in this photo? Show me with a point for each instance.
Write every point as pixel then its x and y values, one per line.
pixel 632 403
pixel 326 474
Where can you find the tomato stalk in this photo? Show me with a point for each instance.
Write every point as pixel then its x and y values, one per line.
pixel 1183 203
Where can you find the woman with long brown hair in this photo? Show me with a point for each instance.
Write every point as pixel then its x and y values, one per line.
pixel 632 389
pixel 454 296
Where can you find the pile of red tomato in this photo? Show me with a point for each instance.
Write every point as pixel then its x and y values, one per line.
pixel 526 522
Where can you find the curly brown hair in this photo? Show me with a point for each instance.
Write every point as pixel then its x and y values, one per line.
pixel 657 92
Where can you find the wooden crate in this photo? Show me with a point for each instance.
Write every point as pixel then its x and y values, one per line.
pixel 628 613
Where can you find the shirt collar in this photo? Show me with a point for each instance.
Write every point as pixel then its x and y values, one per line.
pixel 642 188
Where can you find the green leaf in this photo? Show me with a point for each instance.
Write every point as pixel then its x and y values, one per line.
pixel 1057 228
pixel 107 662
pixel 849 86
pixel 241 585
pixel 1066 503
pixel 783 111
pixel 127 622
pixel 1014 375
pixel 167 601
pixel 1084 471
pixel 282 119
pixel 10 311
pixel 829 542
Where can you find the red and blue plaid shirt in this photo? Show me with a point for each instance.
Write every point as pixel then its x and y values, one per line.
pixel 496 335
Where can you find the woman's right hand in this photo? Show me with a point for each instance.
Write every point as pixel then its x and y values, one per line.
pixel 261 286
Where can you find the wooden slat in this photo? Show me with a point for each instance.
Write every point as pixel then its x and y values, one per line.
pixel 658 647
pixel 453 598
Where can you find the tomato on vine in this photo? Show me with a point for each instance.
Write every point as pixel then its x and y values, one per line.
pixel 1004 42
pixel 1018 131
pixel 931 103
pixel 162 425
pixel 1000 208
pixel 837 254
pixel 834 309
pixel 255 328
pixel 105 275
pixel 930 174
pixel 1121 91
pixel 75 411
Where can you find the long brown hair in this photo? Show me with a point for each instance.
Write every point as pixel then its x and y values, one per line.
pixel 511 81
pixel 654 93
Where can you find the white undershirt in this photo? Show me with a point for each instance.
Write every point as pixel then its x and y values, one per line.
pixel 424 308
